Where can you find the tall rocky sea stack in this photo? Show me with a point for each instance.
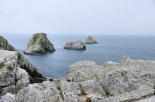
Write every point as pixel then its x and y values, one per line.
pixel 39 44
pixel 90 40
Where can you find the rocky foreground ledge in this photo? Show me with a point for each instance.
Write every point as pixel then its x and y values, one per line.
pixel 131 80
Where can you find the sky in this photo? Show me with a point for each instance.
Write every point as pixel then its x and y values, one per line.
pixel 78 16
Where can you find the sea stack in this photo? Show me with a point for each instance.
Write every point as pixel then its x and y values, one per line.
pixel 90 40
pixel 77 45
pixel 39 44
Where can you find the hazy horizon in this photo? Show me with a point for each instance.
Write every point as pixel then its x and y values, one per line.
pixel 88 17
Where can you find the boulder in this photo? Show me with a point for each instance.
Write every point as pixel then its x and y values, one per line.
pixel 90 40
pixel 83 71
pixel 77 45
pixel 45 92
pixel 39 44
pixel 128 76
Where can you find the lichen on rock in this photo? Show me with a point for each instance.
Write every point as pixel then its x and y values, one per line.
pixel 39 44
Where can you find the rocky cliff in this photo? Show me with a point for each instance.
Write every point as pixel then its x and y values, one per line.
pixel 16 72
pixel 39 44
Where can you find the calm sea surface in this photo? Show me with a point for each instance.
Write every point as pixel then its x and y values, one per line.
pixel 111 48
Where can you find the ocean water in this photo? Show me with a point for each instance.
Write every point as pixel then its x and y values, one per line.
pixel 109 48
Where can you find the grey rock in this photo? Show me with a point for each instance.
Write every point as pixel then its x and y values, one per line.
pixel 8 98
pixel 83 71
pixel 69 97
pixel 12 76
pixel 93 87
pixel 22 79
pixel 8 67
pixel 128 76
pixel 39 44
pixel 77 45
pixel 70 87
pixel 45 92
pixel 90 40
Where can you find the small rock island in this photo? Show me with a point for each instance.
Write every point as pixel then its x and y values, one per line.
pixel 77 45
pixel 39 44
pixel 90 40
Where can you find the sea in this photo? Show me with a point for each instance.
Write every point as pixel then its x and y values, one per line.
pixel 109 48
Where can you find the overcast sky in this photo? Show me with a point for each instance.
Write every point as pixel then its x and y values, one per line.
pixel 78 16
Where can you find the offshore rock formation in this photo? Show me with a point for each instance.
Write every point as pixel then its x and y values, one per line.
pixel 90 40
pixel 39 44
pixel 77 45
pixel 131 80
pixel 4 45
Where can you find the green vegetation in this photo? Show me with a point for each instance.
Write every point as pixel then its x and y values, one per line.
pixel 82 90
pixel 56 81
pixel 61 95
pixel 1 66
pixel 4 45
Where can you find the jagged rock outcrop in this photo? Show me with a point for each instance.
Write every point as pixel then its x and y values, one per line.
pixel 4 45
pixel 90 40
pixel 39 44
pixel 77 45
pixel 16 72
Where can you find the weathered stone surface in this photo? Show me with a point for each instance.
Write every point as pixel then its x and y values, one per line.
pixel 8 98
pixel 70 87
pixel 69 97
pixel 130 75
pixel 22 79
pixel 77 45
pixel 8 67
pixel 93 87
pixel 4 45
pixel 90 40
pixel 83 71
pixel 39 44
pixel 45 92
